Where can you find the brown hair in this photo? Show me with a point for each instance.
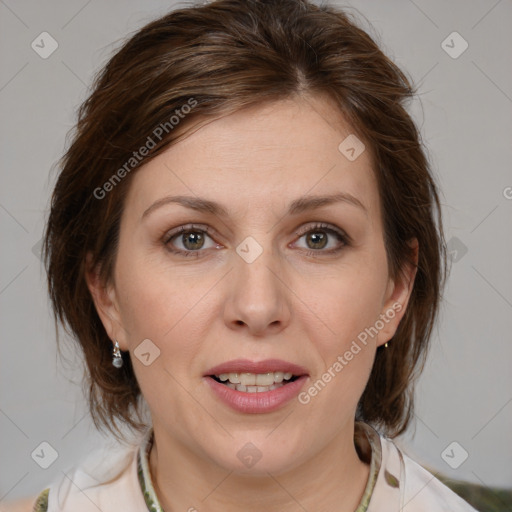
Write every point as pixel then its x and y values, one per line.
pixel 220 58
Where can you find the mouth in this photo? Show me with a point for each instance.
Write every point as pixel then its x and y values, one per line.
pixel 256 387
pixel 255 382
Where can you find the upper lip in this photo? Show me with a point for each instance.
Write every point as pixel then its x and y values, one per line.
pixel 266 366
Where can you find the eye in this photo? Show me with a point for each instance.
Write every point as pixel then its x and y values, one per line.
pixel 187 240
pixel 193 240
pixel 323 238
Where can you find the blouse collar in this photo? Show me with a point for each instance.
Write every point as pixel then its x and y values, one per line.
pixel 366 439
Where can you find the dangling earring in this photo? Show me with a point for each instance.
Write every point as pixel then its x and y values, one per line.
pixel 386 345
pixel 117 360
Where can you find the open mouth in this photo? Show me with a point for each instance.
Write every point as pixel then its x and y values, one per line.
pixel 255 382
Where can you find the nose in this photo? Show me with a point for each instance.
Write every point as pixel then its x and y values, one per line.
pixel 258 298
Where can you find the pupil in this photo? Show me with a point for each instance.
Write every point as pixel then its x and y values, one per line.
pixel 318 239
pixel 193 240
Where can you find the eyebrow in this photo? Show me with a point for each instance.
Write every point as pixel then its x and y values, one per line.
pixel 297 206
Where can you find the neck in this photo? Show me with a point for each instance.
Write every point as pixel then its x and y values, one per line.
pixel 333 480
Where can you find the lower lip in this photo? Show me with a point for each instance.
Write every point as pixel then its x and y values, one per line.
pixel 256 403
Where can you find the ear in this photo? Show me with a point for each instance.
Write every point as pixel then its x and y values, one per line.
pixel 104 298
pixel 397 297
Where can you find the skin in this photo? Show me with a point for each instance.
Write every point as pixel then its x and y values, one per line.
pixel 295 302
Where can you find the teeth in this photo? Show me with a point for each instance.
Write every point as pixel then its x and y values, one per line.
pixel 248 379
pixel 254 382
pixel 255 389
pixel 265 379
pixel 234 378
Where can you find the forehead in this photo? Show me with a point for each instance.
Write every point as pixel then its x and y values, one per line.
pixel 268 154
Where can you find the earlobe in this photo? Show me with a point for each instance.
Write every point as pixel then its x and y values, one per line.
pixel 104 298
pixel 397 296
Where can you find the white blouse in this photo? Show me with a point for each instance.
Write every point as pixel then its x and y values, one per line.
pixel 120 480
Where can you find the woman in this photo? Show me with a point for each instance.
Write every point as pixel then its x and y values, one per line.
pixel 245 240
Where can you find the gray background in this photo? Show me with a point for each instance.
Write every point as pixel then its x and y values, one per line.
pixel 464 110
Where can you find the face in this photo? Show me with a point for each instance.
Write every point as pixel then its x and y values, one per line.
pixel 251 286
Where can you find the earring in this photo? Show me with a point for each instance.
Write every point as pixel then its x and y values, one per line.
pixel 386 345
pixel 117 360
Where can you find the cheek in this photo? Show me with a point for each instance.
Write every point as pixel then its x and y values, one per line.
pixel 162 306
pixel 345 354
pixel 151 301
pixel 169 306
pixel 346 304
pixel 346 301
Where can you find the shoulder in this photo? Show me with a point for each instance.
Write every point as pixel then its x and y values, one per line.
pixel 20 505
pixel 105 479
pixel 41 503
pixel 421 491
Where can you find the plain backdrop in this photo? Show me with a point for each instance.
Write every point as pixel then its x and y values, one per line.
pixel 464 111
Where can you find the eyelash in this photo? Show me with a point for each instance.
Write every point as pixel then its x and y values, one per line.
pixel 330 229
pixel 341 235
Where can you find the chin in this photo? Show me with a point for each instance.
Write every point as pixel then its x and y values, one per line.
pixel 258 453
